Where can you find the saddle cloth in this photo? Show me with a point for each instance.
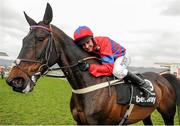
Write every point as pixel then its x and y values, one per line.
pixel 128 92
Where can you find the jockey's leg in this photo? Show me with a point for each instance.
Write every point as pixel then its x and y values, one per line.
pixel 120 71
pixel 144 85
pixel 120 67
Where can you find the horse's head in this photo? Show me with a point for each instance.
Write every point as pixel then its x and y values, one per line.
pixel 35 55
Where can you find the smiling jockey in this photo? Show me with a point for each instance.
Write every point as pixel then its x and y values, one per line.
pixel 113 58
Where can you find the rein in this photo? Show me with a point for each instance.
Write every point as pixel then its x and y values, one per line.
pixel 69 66
pixel 73 65
pixel 47 57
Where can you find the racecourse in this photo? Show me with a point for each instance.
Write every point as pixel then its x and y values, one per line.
pixel 47 104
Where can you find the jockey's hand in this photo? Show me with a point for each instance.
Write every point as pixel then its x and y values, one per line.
pixel 83 66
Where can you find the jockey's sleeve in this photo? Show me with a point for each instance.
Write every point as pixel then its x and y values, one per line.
pixel 101 70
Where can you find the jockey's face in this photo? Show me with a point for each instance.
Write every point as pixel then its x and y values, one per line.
pixel 88 46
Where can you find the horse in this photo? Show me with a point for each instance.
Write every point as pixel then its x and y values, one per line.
pixel 45 45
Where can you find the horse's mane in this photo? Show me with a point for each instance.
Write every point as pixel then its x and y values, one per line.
pixel 69 43
pixel 74 54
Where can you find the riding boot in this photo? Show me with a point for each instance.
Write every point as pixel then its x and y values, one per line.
pixel 144 85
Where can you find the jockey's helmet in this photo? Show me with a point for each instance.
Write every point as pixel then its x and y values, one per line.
pixel 82 35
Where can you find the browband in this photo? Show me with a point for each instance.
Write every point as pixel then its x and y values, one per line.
pixel 40 26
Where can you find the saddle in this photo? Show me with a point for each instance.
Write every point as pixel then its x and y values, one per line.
pixel 129 93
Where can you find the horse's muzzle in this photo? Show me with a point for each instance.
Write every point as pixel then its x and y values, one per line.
pixel 19 84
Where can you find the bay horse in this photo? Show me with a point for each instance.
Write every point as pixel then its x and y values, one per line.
pixel 45 45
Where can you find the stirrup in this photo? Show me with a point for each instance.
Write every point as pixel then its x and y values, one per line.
pixel 150 86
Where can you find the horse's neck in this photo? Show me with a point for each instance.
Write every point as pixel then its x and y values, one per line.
pixel 70 54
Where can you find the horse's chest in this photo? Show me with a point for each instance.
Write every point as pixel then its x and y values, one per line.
pixel 86 114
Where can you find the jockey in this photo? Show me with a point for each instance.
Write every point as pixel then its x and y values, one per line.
pixel 113 58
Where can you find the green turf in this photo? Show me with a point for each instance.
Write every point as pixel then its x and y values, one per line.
pixel 48 104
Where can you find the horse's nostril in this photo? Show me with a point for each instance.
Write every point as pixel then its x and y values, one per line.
pixel 16 82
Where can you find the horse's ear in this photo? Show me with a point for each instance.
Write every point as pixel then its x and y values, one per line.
pixel 48 14
pixel 29 20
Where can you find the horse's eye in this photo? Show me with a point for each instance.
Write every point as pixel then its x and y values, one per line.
pixel 40 38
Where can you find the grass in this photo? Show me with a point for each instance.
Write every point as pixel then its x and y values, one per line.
pixel 48 104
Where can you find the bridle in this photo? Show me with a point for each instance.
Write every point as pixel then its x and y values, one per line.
pixel 45 62
pixel 46 58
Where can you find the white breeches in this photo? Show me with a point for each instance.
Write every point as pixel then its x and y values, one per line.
pixel 120 67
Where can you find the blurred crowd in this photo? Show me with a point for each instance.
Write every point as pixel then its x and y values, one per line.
pixel 4 71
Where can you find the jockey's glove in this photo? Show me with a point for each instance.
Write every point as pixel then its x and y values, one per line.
pixel 83 66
